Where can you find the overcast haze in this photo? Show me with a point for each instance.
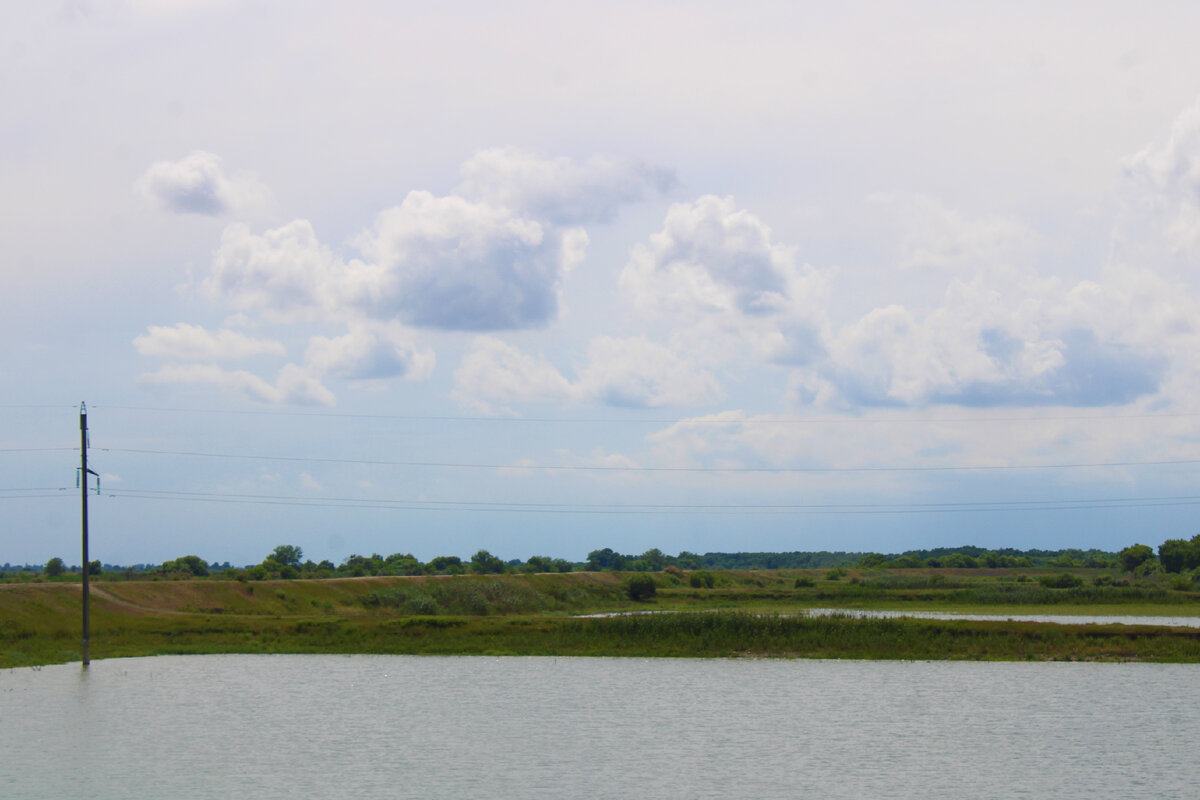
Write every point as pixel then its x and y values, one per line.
pixel 631 275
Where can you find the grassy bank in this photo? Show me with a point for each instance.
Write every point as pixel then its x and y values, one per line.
pixel 744 614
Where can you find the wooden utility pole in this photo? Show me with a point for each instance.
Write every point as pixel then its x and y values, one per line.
pixel 83 499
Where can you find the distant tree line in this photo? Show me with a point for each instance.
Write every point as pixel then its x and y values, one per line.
pixel 971 557
pixel 1174 556
pixel 287 561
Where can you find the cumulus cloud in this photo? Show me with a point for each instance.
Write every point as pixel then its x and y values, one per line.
pixel 195 343
pixel 496 371
pixel 285 273
pixel 1034 344
pixel 292 385
pixel 1168 177
pixel 1003 337
pixel 638 373
pixel 560 190
pixel 369 352
pixel 196 184
pixel 933 237
pixel 450 263
pixel 630 373
pixel 432 262
pixel 716 273
pixel 709 256
pixel 492 256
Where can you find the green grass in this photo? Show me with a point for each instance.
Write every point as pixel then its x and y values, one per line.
pixel 744 614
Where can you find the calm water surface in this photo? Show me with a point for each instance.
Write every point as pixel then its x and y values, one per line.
pixel 427 727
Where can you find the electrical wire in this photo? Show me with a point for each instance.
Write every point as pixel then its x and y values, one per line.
pixel 613 468
pixel 705 420
pixel 660 508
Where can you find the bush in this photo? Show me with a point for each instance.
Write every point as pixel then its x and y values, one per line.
pixel 804 583
pixel 1062 580
pixel 1181 583
pixel 701 579
pixel 640 587
pixel 835 574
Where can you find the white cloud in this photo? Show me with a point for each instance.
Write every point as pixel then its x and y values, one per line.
pixel 195 343
pixel 498 372
pixel 638 373
pixel 560 190
pixel 433 262
pixel 934 237
pixel 450 263
pixel 716 274
pixel 710 256
pixel 1166 182
pixel 285 273
pixel 1032 343
pixel 634 373
pixel 369 352
pixel 916 438
pixel 292 385
pixel 196 184
pixel 309 482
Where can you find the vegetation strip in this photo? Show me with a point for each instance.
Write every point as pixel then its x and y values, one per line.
pixel 746 614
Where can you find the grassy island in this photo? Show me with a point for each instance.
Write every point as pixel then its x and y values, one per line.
pixel 756 613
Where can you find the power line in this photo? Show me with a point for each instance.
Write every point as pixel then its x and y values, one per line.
pixel 615 468
pixel 1097 501
pixel 654 509
pixel 704 420
pixel 1103 502
pixel 56 406
pixel 56 493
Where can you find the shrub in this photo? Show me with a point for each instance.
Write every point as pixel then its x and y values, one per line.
pixel 835 574
pixel 701 579
pixel 1063 580
pixel 804 583
pixel 1181 583
pixel 640 587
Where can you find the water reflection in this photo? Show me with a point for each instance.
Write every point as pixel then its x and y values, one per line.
pixel 402 726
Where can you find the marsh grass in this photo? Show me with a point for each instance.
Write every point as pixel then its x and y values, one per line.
pixel 745 614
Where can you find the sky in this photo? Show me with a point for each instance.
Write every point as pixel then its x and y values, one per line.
pixel 543 278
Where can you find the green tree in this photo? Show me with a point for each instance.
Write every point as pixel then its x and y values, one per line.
pixel 54 567
pixel 484 563
pixel 287 555
pixel 403 564
pixel 1174 554
pixel 446 565
pixel 1134 556
pixel 598 560
pixel 193 565
pixel 652 560
pixel 538 564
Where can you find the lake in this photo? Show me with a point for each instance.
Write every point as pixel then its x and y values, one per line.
pixel 475 727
